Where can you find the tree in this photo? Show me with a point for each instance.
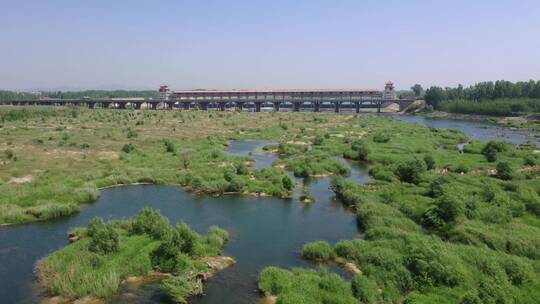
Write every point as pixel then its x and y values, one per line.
pixel 435 95
pixel 417 89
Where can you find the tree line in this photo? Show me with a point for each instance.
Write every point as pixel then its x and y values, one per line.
pixel 484 91
pixel 7 96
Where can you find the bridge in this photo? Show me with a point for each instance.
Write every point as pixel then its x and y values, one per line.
pixel 253 100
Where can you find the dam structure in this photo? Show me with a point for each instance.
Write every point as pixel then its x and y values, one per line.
pixel 295 100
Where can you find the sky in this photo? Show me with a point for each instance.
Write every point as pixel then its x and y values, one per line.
pixel 104 44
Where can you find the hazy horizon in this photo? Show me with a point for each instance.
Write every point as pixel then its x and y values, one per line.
pixel 75 45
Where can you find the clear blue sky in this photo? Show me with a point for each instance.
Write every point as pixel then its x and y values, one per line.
pixel 76 44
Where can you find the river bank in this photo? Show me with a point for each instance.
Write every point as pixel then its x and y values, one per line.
pixel 526 121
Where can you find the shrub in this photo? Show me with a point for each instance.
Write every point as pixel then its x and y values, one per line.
pixel 241 168
pixel 180 288
pixel 471 297
pixel 364 289
pixel 131 133
pixel 9 154
pixel 436 187
pixel 491 149
pixel 430 162
pixel 530 160
pixel 461 168
pixel 318 140
pixel 361 148
pixel 381 172
pixel 273 280
pixel 104 238
pixel 445 211
pixel 504 171
pixel 318 251
pixel 287 182
pixel 381 138
pixel 169 146
pixel 410 171
pixel 170 252
pixel 151 222
pixel 128 148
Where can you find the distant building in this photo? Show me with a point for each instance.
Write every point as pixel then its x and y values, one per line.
pixel 164 93
pixel 389 92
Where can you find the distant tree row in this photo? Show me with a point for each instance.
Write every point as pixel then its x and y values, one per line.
pixel 6 96
pixel 488 90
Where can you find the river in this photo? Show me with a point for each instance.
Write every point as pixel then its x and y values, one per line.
pixel 264 231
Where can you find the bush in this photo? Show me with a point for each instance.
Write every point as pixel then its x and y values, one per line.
pixel 436 187
pixel 128 148
pixel 445 211
pixel 491 149
pixel 151 222
pixel 241 168
pixel 504 171
pixel 180 288
pixel 530 160
pixel 318 140
pixel 131 133
pixel 287 182
pixel 171 251
pixel 381 172
pixel 318 251
pixel 381 138
pixel 430 162
pixel 410 171
pixel 104 238
pixel 365 290
pixel 169 146
pixel 273 280
pixel 9 154
pixel 361 148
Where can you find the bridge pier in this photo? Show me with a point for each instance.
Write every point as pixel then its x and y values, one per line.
pixel 105 104
pixel 186 105
pixel 204 105
pixel 316 106
pixel 137 105
pixel 258 105
pixel 121 105
pixel 277 105
pixel 170 105
pixel 379 106
pixel 297 105
pixel 240 105
pixel 337 106
pixel 221 106
pixel 357 106
pixel 91 104
pixel 153 105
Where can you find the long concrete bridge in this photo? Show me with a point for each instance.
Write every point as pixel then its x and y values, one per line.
pixel 254 100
